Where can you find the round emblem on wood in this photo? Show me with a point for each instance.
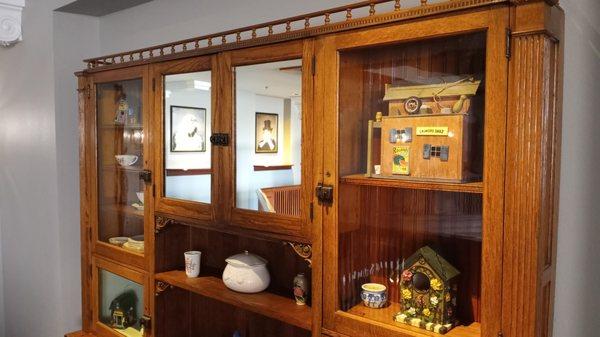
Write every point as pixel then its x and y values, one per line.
pixel 412 105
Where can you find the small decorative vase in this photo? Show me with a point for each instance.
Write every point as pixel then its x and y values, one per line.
pixel 300 289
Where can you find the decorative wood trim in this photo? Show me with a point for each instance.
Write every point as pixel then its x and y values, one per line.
pixel 190 172
pixel 525 2
pixel 10 22
pixel 272 168
pixel 281 30
pixel 538 18
pixel 161 287
pixel 533 142
pixel 302 250
pixel 162 223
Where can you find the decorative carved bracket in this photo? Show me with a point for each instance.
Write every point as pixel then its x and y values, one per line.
pixel 161 223
pixel 10 22
pixel 303 250
pixel 161 287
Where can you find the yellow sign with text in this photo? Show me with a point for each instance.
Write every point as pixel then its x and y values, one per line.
pixel 432 131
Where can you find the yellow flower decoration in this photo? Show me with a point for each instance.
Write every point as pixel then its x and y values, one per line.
pixel 436 284
pixel 426 312
pixel 406 294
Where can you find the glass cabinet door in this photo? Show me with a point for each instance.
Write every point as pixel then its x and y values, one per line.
pixel 120 306
pixel 409 236
pixel 272 127
pixel 120 161
pixel 184 103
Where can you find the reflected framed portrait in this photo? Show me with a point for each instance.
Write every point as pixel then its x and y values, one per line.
pixel 188 129
pixel 266 133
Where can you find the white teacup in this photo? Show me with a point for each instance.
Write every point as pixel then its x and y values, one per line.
pixel 126 159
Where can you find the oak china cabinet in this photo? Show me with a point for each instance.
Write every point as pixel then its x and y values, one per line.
pixel 403 155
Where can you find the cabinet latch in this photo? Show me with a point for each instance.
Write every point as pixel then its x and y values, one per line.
pixel 146 323
pixel 146 176
pixel 324 194
pixel 220 139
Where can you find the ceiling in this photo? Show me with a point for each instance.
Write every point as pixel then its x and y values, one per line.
pixel 276 79
pixel 99 7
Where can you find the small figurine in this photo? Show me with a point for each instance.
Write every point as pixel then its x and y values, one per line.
pixel 300 289
pixel 378 116
pixel 122 310
pixel 123 111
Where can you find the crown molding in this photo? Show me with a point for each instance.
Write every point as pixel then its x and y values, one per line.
pixel 10 22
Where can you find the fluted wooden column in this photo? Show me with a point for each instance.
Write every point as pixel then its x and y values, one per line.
pixel 532 169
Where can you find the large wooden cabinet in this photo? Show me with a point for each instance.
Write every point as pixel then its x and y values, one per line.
pixel 385 142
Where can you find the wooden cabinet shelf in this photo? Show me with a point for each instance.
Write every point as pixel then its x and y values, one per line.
pixel 126 210
pixel 385 315
pixel 266 304
pixel 360 179
pixel 122 126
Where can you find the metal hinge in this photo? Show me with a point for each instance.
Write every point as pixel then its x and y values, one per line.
pixel 312 211
pixel 146 176
pixel 314 65
pixel 324 194
pixel 220 139
pixel 508 43
pixel 146 323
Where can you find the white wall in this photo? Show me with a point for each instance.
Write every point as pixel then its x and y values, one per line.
pixel 39 233
pixel 578 267
pixel 38 152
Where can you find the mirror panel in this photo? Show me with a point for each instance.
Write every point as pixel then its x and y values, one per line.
pixel 268 118
pixel 187 117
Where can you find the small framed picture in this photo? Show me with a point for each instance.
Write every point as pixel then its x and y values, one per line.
pixel 188 129
pixel 266 133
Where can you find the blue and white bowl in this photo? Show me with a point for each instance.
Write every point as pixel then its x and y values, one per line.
pixel 374 295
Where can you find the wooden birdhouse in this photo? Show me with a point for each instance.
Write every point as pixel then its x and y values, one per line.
pixel 428 292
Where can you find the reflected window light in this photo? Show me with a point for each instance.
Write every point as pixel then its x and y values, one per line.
pixel 168 93
pixel 202 85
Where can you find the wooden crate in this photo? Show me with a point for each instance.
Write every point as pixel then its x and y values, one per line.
pixel 436 131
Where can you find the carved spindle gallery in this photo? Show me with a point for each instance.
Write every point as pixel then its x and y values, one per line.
pixel 327 18
pixel 288 26
pixel 270 29
pixel 224 39
pixel 238 37
pixel 423 2
pixel 210 43
pixel 372 9
pixel 254 33
pixel 184 47
pixel 173 49
pixel 348 13
pixel 306 22
pixel 397 5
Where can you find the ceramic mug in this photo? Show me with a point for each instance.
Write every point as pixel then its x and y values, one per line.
pixel 377 169
pixel 192 263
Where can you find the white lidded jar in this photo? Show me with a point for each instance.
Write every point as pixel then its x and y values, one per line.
pixel 246 273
